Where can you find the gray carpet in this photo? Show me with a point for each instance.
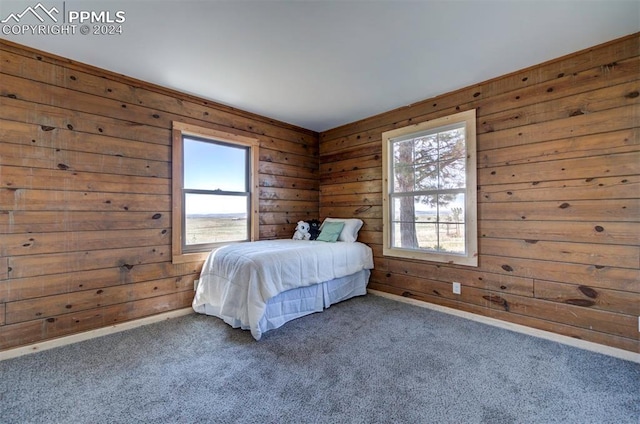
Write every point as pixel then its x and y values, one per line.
pixel 366 360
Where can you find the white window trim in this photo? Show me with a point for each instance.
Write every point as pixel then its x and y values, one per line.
pixel 471 214
pixel 179 130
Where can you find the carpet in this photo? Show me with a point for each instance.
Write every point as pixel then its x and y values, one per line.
pixel 365 360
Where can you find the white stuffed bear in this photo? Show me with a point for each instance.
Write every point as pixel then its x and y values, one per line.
pixel 302 231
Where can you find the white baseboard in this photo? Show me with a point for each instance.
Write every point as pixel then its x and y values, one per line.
pixel 582 344
pixel 86 335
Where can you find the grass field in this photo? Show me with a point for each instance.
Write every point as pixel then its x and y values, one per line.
pixel 215 229
pixel 437 237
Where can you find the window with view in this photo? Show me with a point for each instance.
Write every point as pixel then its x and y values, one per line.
pixel 429 192
pixel 213 180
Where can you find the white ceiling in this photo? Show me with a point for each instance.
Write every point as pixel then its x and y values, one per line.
pixel 320 64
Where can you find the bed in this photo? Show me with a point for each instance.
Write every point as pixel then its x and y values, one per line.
pixel 259 286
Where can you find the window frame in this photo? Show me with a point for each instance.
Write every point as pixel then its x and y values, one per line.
pixel 470 192
pixel 179 131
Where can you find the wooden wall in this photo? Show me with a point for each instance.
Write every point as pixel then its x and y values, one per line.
pixel 558 196
pixel 85 225
pixel 85 195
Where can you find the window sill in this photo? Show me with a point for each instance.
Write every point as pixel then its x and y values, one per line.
pixel 189 257
pixel 432 257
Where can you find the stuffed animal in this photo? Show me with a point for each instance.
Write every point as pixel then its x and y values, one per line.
pixel 302 231
pixel 314 228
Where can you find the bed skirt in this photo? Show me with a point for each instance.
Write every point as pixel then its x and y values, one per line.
pixel 298 302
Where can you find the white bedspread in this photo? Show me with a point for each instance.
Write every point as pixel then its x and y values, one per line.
pixel 237 280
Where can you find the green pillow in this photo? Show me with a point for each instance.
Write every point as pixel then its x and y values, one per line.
pixel 330 231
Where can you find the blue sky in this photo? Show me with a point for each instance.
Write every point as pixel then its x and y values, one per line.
pixel 209 166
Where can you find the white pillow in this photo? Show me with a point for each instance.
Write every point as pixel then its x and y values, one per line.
pixel 350 231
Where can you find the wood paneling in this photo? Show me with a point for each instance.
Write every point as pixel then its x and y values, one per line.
pixel 85 193
pixel 558 196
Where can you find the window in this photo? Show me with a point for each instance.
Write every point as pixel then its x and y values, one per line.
pixel 429 190
pixel 214 177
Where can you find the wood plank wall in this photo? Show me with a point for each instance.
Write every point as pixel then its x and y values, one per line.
pixel 85 225
pixel 558 196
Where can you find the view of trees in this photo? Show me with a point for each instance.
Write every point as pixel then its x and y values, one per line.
pixel 428 169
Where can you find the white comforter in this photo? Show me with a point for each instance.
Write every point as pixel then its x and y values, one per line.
pixel 237 280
